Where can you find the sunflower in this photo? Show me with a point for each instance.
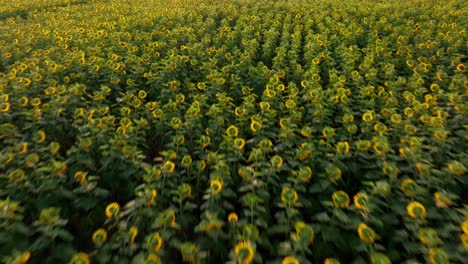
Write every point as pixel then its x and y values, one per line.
pixel 216 186
pixel 428 236
pixel 328 132
pixel 288 196
pixel 290 260
pixel 363 145
pixel 276 161
pixel 244 252
pixel 255 126
pixel 360 200
pixel 112 210
pixel 366 234
pixel 232 131
pixel 306 131
pixel 80 258
pixel 340 199
pixel 464 240
pixel 232 217
pixel 168 167
pixel 154 242
pixel 416 210
pixel 304 173
pixel 464 227
pixel 441 200
pixel 152 196
pixel 239 143
pixel 331 261
pixel 132 233
pixel 438 256
pixel 367 116
pixel 461 67
pixel 99 236
pixel 304 232
pixel 342 147
pixel 456 168
pixel 80 176
pixel 408 186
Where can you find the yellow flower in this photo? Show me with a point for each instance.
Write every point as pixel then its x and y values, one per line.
pixel 24 148
pixel 464 227
pixel 16 175
pixel 290 260
pixel 255 126
pixel 464 240
pixel 168 167
pixel 331 261
pixel 381 147
pixel 24 101
pixel 99 236
pixel 368 116
pixel 133 232
pixel 153 195
pixel 366 234
pixel 80 258
pixel 360 201
pixel 216 186
pixel 304 232
pixel 333 173
pixel 22 258
pixel 239 143
pixel 277 161
pixel 442 200
pixel 438 256
pixel 205 141
pixel 416 210
pixel 408 187
pixel 4 107
pixel 328 132
pixel 244 252
pixel 461 67
pixel 142 94
pixel 342 147
pixel 306 131
pixel 112 210
pixel 233 217
pixel 290 104
pixel 41 136
pixel 304 173
pixel 340 199
pixel 232 131
pixel 80 176
pixel 428 236
pixel 154 242
pixel 396 119
pixel 363 145
pixel 288 196
pixel 456 168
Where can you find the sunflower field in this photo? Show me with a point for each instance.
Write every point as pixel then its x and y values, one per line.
pixel 233 131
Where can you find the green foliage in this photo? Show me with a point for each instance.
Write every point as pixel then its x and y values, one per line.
pixel 245 131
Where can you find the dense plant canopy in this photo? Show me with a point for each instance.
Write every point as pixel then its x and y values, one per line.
pixel 233 130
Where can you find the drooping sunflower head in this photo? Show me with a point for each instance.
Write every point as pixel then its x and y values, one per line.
pixel 340 199
pixel 416 210
pixel 112 210
pixel 360 200
pixel 244 252
pixel 438 256
pixel 290 260
pixel 366 234
pixel 289 196
pixel 216 186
